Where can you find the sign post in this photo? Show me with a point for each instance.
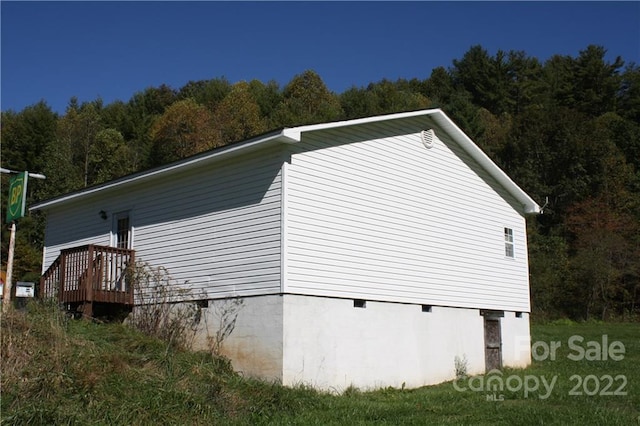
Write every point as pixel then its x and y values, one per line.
pixel 15 210
pixel 6 297
pixel 16 207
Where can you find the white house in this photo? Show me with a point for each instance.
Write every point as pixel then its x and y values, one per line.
pixel 371 252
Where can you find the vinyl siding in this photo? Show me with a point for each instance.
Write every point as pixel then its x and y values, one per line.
pixel 373 214
pixel 216 229
pixel 73 226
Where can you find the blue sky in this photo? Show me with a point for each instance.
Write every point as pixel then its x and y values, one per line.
pixel 56 50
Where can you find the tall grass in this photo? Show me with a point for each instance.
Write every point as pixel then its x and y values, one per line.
pixel 60 371
pixel 57 371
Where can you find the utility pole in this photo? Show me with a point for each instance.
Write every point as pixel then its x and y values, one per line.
pixel 15 209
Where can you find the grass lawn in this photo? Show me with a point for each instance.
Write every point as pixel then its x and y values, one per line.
pixel 60 371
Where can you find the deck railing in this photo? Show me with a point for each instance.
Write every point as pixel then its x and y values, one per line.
pixel 91 273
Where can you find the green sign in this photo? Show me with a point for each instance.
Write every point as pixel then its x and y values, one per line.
pixel 17 196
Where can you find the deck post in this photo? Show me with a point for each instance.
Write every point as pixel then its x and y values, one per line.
pixel 131 285
pixel 61 276
pixel 87 311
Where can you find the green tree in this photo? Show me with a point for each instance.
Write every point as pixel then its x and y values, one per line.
pixel 551 295
pixel 357 103
pixel 268 96
pixel 604 269
pixel 597 82
pixel 628 104
pixel 494 132
pixel 556 152
pixel 154 100
pixel 484 77
pixel 587 83
pixel 117 115
pixel 307 100
pixel 111 158
pixel 68 157
pixel 143 110
pixel 186 128
pixel 508 82
pixel 558 81
pixel 382 97
pixel 26 135
pixel 439 87
pixel 206 92
pixel 593 209
pixel 238 116
pixel 525 87
pixel 390 97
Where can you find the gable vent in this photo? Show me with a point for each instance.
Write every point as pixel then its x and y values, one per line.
pixel 428 138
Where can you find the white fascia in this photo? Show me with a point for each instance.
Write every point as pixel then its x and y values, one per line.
pixel 529 206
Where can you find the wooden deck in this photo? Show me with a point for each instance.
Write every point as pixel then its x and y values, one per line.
pixel 83 276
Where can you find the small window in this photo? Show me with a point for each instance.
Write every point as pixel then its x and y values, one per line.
pixel 359 303
pixel 508 242
pixel 426 308
pixel 518 314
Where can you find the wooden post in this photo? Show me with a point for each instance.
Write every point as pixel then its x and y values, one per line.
pixel 131 285
pixel 62 276
pixel 87 310
pixel 6 297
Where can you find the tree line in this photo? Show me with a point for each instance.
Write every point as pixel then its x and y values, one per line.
pixel 567 130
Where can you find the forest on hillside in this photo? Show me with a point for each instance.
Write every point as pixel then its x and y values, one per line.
pixel 566 130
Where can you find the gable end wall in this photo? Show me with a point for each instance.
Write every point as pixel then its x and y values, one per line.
pixel 383 218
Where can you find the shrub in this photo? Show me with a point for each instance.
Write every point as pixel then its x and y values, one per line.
pixel 159 309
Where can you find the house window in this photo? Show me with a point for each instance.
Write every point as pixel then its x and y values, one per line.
pixel 508 242
pixel 122 230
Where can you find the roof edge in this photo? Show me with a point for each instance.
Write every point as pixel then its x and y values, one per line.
pixel 365 120
pixel 292 135
pixel 529 206
pixel 275 136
